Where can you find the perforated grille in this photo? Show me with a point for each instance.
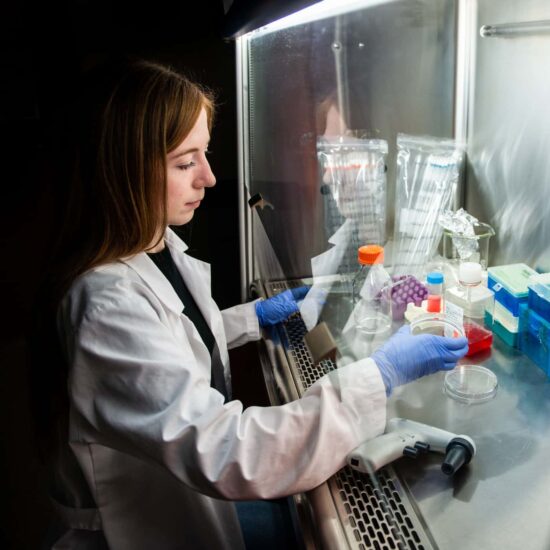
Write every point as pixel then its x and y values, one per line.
pixel 375 513
pixel 378 515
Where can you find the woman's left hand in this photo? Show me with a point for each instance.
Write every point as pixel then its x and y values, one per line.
pixel 280 307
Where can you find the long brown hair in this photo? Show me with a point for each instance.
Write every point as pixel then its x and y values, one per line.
pixel 110 186
pixel 117 195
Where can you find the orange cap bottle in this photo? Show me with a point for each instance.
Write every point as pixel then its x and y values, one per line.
pixel 370 254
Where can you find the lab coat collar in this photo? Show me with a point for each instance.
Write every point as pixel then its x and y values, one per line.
pixel 145 267
pixel 173 241
pixel 150 273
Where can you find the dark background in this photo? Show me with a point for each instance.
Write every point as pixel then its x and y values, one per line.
pixel 44 48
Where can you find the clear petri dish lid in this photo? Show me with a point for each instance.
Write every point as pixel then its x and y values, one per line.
pixel 471 384
pixel 437 324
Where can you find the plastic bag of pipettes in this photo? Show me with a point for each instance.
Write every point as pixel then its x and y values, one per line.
pixel 428 171
pixel 353 186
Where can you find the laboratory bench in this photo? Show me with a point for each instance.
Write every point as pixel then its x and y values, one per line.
pixel 499 500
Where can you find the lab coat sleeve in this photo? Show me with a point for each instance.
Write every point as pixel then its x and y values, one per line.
pixel 241 324
pixel 136 388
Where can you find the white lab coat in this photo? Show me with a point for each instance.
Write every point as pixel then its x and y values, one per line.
pixel 161 454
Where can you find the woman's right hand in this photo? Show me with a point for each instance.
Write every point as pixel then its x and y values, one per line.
pixel 405 357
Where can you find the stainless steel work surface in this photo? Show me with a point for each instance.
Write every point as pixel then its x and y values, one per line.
pixel 500 499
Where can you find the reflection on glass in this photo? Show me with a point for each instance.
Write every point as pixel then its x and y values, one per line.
pixel 427 178
pixel 387 67
pixel 354 187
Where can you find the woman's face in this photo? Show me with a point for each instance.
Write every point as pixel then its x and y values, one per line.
pixel 188 173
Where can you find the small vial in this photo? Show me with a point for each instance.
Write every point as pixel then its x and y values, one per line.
pixel 433 304
pixel 435 292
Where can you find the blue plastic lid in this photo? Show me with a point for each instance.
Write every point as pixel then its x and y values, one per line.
pixel 539 327
pixel 542 290
pixel 435 278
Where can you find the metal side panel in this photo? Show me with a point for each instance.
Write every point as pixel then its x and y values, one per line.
pixel 508 138
pixel 350 510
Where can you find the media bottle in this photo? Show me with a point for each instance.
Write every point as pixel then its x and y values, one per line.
pixel 473 298
pixel 372 292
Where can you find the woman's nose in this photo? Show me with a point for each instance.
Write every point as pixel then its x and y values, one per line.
pixel 207 178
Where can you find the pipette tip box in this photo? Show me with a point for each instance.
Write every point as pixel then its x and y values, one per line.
pixel 539 295
pixel 510 284
pixel 534 338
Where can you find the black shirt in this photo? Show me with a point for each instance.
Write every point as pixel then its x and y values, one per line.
pixel 165 263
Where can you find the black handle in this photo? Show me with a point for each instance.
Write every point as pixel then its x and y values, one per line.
pixel 459 452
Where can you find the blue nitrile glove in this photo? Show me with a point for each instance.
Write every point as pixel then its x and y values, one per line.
pixel 405 357
pixel 279 308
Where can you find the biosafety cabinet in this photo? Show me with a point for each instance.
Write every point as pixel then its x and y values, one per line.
pixel 336 93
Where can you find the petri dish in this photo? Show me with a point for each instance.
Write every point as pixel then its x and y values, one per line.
pixel 471 384
pixel 437 324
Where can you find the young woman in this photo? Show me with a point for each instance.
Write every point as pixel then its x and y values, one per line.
pixel 154 450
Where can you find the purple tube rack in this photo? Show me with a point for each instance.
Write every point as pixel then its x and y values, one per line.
pixel 406 289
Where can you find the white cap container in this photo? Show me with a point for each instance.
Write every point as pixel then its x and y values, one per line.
pixel 470 273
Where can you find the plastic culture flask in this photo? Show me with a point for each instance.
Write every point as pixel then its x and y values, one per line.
pixel 473 298
pixel 372 292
